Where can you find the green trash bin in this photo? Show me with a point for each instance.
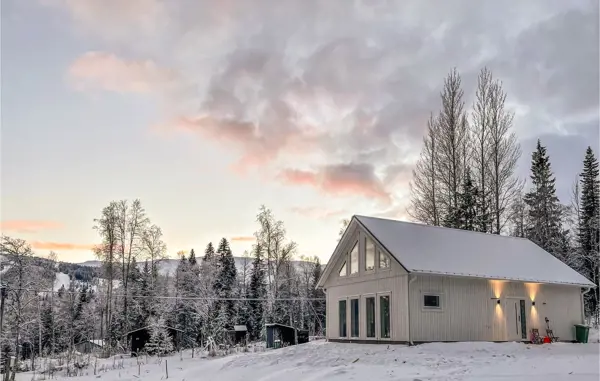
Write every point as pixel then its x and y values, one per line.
pixel 581 333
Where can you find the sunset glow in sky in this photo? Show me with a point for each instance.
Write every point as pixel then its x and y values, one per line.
pixel 205 110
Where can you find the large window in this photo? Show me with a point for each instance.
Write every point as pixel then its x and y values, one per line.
pixel 369 254
pixel 342 314
pixel 431 301
pixel 384 316
pixel 354 318
pixel 343 270
pixel 370 312
pixel 384 260
pixel 354 259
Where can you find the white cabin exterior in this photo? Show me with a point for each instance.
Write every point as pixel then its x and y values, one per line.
pixel 393 281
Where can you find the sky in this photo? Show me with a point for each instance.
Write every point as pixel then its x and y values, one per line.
pixel 206 110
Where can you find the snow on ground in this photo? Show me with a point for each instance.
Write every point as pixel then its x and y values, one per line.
pixel 62 279
pixel 594 335
pixel 320 360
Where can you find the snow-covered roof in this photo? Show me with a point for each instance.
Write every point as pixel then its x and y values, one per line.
pixel 240 328
pixel 436 250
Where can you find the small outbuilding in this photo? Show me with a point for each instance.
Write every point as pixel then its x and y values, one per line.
pixel 279 335
pixel 238 335
pixel 395 281
pixel 138 338
pixel 89 346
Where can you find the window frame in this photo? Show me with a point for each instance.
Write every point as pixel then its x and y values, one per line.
pixel 345 300
pixel 350 312
pixel 344 265
pixel 378 316
pixel 366 321
pixel 440 296
pixel 350 267
pixel 369 240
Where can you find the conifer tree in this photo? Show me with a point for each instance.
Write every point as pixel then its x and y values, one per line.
pixel 256 290
pixel 192 260
pixel 589 226
pixel 318 305
pixel 209 252
pixel 544 225
pixel 160 342
pixel 468 207
pixel 226 278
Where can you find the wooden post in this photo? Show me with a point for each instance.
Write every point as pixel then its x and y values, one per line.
pixel 167 368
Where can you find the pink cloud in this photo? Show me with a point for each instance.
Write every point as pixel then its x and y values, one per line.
pixel 317 212
pixel 243 239
pixel 29 226
pixel 60 246
pixel 106 71
pixel 340 179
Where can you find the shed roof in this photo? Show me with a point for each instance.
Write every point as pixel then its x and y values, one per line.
pixel 150 326
pixel 436 250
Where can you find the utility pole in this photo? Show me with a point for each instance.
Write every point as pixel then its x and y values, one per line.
pixel 3 293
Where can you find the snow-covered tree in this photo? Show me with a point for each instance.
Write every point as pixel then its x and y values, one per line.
pixel 544 217
pixel 589 227
pixel 160 342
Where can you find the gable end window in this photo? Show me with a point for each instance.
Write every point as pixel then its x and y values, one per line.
pixel 369 255
pixel 343 269
pixel 354 259
pixel 384 260
pixel 431 301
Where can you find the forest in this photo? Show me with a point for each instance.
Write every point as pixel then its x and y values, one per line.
pixel 204 297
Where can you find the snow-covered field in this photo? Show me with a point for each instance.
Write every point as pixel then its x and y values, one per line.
pixel 320 360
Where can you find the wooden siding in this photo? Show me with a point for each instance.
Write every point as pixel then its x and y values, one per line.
pixel 395 285
pixel 393 280
pixel 469 312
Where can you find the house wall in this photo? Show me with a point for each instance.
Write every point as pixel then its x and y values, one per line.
pixel 469 313
pixel 393 280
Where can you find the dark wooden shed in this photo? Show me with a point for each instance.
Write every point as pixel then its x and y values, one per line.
pixel 279 335
pixel 138 338
pixel 237 335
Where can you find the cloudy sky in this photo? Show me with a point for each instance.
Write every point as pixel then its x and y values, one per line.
pixel 207 109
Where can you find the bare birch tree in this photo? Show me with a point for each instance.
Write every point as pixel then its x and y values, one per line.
pixel 131 225
pixel 453 135
pixel 480 146
pixel 107 226
pixel 425 181
pixel 504 153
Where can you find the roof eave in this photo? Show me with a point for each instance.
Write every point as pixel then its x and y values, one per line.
pixel 488 277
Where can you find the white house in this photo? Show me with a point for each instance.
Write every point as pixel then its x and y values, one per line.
pixel 395 281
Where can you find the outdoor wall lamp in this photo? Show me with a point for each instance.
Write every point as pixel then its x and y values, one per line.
pixel 498 301
pixel 533 303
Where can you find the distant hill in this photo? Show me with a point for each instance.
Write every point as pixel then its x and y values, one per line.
pixel 168 266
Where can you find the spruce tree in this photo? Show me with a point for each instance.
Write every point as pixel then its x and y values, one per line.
pixel 468 205
pixel 209 252
pixel 256 290
pixel 318 305
pixel 589 225
pixel 226 279
pixel 160 342
pixel 544 210
pixel 192 260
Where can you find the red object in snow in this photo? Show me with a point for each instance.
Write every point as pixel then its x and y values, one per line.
pixel 547 340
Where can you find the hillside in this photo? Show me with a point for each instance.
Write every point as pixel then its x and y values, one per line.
pixel 168 266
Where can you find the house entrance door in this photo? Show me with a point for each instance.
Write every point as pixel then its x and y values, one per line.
pixel 516 320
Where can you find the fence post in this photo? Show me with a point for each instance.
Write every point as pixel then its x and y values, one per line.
pixel 167 368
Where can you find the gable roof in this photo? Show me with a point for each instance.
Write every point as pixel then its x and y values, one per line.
pixel 429 249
